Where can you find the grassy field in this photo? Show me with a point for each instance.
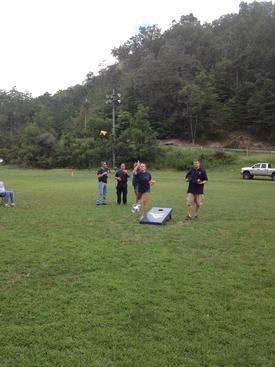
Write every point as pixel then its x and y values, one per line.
pixel 88 286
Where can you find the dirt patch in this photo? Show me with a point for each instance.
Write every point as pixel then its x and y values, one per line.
pixel 245 141
pixel 175 142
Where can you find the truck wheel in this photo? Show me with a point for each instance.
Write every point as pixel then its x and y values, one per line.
pixel 246 176
pixel 273 176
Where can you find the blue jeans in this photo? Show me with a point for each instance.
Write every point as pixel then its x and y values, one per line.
pixel 8 195
pixel 102 191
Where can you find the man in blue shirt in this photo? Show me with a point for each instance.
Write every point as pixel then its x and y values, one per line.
pixel 197 178
pixel 121 177
pixel 102 176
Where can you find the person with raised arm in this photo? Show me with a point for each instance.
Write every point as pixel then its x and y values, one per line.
pixel 143 187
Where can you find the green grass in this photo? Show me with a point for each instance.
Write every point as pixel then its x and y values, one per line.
pixel 88 286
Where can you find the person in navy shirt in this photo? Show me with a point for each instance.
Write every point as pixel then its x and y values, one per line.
pixel 121 177
pixel 135 182
pixel 102 176
pixel 143 186
pixel 197 178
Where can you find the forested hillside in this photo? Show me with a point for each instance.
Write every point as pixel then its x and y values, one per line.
pixel 194 81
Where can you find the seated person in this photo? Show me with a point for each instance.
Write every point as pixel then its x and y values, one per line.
pixel 7 195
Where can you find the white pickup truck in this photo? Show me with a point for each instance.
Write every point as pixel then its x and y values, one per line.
pixel 258 169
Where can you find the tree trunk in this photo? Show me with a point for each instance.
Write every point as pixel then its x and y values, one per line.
pixel 193 128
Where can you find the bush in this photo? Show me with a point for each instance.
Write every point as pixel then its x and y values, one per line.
pixel 181 159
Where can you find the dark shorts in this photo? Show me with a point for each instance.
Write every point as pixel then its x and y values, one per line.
pixel 135 188
pixel 143 192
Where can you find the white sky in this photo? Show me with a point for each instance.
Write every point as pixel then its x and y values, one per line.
pixel 47 45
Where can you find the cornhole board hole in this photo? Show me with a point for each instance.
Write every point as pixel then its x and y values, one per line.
pixel 157 216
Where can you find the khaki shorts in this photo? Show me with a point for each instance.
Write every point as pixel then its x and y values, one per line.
pixel 192 199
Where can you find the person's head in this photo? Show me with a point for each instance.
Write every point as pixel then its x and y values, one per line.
pixel 103 164
pixel 122 166
pixel 143 167
pixel 196 163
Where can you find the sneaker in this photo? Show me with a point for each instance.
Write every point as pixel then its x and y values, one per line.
pixel 188 217
pixel 135 208
pixel 6 205
pixel 13 205
pixel 196 217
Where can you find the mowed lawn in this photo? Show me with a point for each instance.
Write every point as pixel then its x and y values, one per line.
pixel 85 286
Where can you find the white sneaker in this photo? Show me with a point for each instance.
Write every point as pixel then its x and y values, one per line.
pixel 135 208
pixel 6 205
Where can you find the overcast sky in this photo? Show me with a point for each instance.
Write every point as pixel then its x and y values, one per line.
pixel 47 45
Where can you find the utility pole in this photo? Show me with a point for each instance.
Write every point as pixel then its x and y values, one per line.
pixel 114 99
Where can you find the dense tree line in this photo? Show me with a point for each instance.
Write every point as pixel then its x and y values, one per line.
pixel 195 81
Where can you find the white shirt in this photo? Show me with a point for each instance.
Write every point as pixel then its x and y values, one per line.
pixel 2 187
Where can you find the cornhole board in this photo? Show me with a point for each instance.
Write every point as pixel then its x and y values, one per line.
pixel 157 216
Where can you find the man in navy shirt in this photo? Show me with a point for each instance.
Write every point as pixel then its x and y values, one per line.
pixel 197 178
pixel 122 177
pixel 102 175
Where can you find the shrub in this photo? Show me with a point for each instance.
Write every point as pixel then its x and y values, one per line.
pixel 181 159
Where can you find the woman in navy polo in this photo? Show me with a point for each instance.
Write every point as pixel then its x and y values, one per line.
pixel 135 182
pixel 143 186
